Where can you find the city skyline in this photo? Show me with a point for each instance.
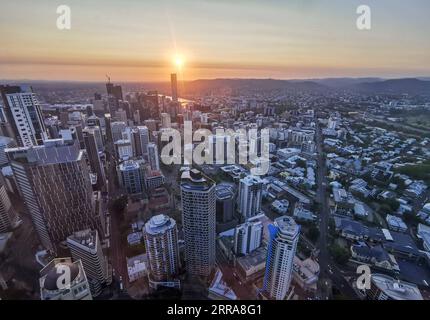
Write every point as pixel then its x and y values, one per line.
pixel 283 40
pixel 227 153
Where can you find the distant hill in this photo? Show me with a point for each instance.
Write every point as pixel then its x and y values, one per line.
pixel 217 85
pixel 231 86
pixel 396 86
pixel 344 82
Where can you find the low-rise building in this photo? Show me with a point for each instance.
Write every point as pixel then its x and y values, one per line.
pixel 396 223
pixel 306 273
pixel 384 287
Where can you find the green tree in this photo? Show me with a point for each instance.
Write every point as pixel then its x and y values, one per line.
pixel 340 254
pixel 313 233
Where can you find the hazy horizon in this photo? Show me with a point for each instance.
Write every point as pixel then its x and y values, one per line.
pixel 137 41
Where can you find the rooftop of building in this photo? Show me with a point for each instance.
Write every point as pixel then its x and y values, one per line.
pixel 224 191
pixel 159 224
pixel 86 238
pixel 194 179
pixel 129 165
pixel 52 272
pixel 53 151
pixel 396 289
pixel 287 225
pixel 220 288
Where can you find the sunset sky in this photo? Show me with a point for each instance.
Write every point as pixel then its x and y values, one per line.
pixel 137 40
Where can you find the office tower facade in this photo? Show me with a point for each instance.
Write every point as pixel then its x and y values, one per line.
pixel 284 236
pixel 161 241
pixel 54 181
pixel 23 120
pixel 114 96
pixel 116 129
pixel 142 141
pixel 93 156
pixel 85 246
pixel 124 149
pixel 165 120
pixel 199 222
pixel 121 115
pixel 151 124
pixel 108 128
pixel 174 84
pixel 53 285
pixel 136 117
pixel 5 142
pixel 131 176
pixel 153 158
pixel 225 202
pixel 97 135
pixel 247 237
pixel 250 196
pixel 8 215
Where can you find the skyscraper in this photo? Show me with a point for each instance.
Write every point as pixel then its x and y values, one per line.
pixel 23 119
pixel 108 124
pixel 114 95
pixel 131 176
pixel 284 236
pixel 54 287
pixel 142 141
pixel 165 120
pixel 55 185
pixel 198 218
pixel 161 241
pixel 5 142
pixel 153 157
pixel 174 84
pixel 85 246
pixel 93 155
pixel 250 196
pixel 225 203
pixel 116 130
pixel 248 237
pixel 8 215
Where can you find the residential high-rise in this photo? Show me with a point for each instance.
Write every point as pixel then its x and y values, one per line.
pixel 250 196
pixel 93 156
pixel 55 286
pixel 225 203
pixel 248 237
pixel 153 179
pixel 153 158
pixel 199 222
pixel 54 181
pixel 161 241
pixel 174 84
pixel 8 215
pixel 85 246
pixel 131 176
pixel 284 236
pixel 142 140
pixel 23 119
